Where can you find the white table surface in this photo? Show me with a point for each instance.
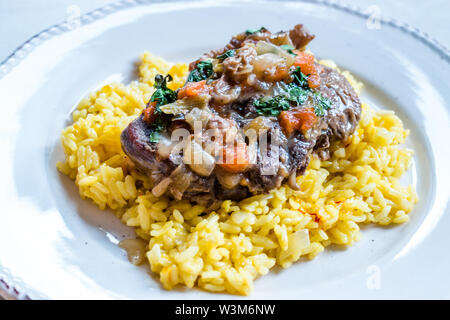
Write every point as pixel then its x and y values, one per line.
pixel 21 19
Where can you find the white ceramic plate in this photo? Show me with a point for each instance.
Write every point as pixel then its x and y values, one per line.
pixel 54 245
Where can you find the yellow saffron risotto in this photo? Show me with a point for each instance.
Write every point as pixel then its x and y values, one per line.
pixel 225 250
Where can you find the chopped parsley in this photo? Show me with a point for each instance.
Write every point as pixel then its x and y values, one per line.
pixel 161 96
pixel 202 71
pixel 158 126
pixel 154 137
pixel 225 55
pixel 272 106
pixel 300 79
pixel 322 104
pixel 253 31
pixel 295 92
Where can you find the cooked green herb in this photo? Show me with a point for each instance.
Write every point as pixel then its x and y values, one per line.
pixel 225 55
pixel 162 96
pixel 295 92
pixel 282 102
pixel 253 31
pixel 300 79
pixel 288 48
pixel 272 106
pixel 322 104
pixel 202 71
pixel 160 123
pixel 154 137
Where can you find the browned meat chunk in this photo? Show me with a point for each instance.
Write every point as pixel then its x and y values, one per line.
pixel 300 36
pixel 252 112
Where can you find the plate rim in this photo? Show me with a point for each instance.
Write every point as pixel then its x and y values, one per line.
pixel 12 287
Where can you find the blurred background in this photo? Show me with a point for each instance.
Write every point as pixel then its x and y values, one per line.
pixel 21 19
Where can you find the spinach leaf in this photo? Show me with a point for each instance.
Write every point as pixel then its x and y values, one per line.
pixel 322 103
pixel 225 55
pixel 300 79
pixel 161 96
pixel 202 71
pixel 288 48
pixel 295 92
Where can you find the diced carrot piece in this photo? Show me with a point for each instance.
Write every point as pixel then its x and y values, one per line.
pixel 308 118
pixel 306 62
pixel 288 122
pixel 308 67
pixel 313 81
pixel 192 89
pixel 235 159
pixel 149 112
pixel 297 119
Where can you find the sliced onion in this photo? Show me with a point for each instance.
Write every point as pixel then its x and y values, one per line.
pixel 181 180
pixel 198 160
pixel 197 114
pixel 292 181
pixel 260 125
pixel 298 242
pixel 228 180
pixel 281 38
pixel 263 47
pixel 161 187
pixel 266 61
pixel 186 104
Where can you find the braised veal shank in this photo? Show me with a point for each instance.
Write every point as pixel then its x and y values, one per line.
pixel 259 80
